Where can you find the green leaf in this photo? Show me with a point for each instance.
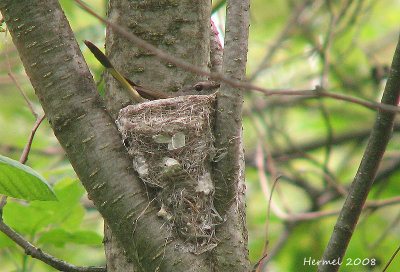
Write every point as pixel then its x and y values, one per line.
pixel 86 237
pixel 60 237
pixel 25 219
pixel 68 211
pixel 20 181
pixel 31 218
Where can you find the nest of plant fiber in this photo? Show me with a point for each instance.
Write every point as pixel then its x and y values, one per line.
pixel 171 144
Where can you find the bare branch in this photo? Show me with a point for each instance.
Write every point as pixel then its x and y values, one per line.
pixel 280 243
pixel 37 253
pixel 228 125
pixel 262 263
pixel 391 259
pixel 318 92
pixel 3 202
pixel 28 247
pixel 264 184
pixel 27 148
pixel 372 204
pixel 228 171
pixel 367 170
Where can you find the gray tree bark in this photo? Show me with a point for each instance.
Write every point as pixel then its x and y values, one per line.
pixel 87 132
pixel 181 29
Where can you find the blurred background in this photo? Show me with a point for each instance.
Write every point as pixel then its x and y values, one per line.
pixel 310 148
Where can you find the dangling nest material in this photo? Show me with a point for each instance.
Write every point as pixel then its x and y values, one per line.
pixel 171 143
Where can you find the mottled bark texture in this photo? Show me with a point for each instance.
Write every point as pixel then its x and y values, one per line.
pixel 232 252
pixel 66 89
pixel 181 28
pixel 87 131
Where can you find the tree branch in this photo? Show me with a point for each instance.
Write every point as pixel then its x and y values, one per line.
pixel 317 92
pixel 228 172
pixel 13 235
pixel 37 253
pixel 228 126
pixel 87 133
pixel 367 170
pixel 27 148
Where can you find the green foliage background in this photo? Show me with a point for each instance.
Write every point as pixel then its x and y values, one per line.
pixel 363 40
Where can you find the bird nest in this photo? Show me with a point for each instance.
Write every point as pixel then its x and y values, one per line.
pixel 171 144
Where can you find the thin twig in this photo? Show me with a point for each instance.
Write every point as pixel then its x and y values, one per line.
pixel 280 243
pixel 264 184
pixel 366 172
pixel 28 247
pixel 321 214
pixel 259 159
pixel 3 202
pixel 257 264
pixel 317 92
pixel 27 148
pixel 262 128
pixel 264 254
pixel 37 253
pixel 271 167
pixel 391 259
pixel 11 75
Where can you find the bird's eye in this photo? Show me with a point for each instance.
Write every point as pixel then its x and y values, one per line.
pixel 198 87
pixel 126 143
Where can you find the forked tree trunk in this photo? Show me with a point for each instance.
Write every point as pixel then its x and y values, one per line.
pixel 86 131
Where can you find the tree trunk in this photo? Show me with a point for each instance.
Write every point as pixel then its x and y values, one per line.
pixel 88 134
pixel 181 29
